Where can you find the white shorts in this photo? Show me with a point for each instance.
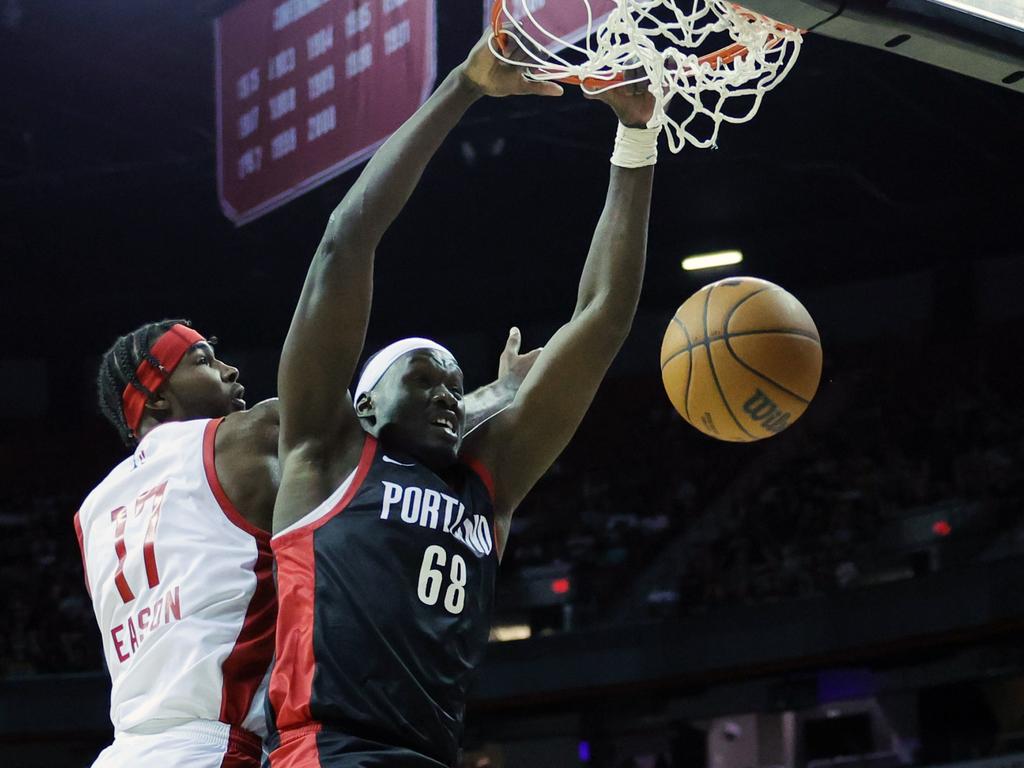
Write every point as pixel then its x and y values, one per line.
pixel 198 744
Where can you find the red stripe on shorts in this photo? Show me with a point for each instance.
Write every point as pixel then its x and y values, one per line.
pixel 244 750
pixel 298 749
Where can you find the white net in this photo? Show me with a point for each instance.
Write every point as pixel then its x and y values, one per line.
pixel 661 41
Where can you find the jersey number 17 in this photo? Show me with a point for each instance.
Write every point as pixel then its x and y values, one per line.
pixel 152 499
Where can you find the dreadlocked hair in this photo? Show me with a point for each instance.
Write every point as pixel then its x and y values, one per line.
pixel 117 370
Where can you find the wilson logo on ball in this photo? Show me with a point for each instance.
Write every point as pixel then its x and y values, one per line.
pixel 761 408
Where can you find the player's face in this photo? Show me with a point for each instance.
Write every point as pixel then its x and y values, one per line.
pixel 420 408
pixel 203 387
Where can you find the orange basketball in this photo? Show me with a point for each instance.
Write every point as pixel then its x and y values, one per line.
pixel 741 359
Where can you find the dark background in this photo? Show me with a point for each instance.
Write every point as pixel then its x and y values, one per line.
pixel 885 193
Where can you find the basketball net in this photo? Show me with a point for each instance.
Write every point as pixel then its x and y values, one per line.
pixel 659 41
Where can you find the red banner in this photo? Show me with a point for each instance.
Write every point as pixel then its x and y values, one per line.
pixel 306 89
pixel 565 19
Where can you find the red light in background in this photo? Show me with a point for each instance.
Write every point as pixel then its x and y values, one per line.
pixel 560 586
pixel 941 528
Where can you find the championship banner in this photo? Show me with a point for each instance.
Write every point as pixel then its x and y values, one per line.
pixel 306 89
pixel 565 19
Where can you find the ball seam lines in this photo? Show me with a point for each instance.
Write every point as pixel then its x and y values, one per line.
pixel 714 373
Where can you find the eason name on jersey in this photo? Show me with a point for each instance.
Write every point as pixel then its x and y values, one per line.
pixel 438 511
pixel 129 635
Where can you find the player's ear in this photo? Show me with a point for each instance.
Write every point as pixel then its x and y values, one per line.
pixel 157 405
pixel 365 407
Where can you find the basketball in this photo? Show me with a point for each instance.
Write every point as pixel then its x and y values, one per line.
pixel 741 359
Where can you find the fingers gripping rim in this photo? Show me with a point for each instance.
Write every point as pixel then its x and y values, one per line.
pixel 664 45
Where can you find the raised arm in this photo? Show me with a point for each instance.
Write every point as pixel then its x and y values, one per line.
pixel 524 440
pixel 327 331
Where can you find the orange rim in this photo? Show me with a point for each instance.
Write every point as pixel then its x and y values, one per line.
pixel 592 83
pixel 499 35
pixel 715 59
pixel 730 53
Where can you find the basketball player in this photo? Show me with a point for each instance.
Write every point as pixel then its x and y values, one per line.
pixel 176 549
pixel 388 526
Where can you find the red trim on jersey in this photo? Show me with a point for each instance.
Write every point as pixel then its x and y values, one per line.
pixel 291 682
pixel 365 460
pixel 210 465
pixel 488 480
pixel 81 551
pixel 247 663
pixel 298 749
pixel 244 750
pixel 485 474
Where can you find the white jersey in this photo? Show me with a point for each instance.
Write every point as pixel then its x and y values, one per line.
pixel 182 588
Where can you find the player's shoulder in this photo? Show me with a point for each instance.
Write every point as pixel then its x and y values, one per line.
pixel 266 411
pixel 255 428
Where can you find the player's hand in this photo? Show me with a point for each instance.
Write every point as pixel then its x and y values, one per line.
pixel 633 104
pixel 491 77
pixel 512 366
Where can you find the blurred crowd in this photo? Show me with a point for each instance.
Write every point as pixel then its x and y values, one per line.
pixel 892 487
pixel 48 620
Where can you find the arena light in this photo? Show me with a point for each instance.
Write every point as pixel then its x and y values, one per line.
pixel 504 632
pixel 1007 12
pixel 710 260
pixel 560 586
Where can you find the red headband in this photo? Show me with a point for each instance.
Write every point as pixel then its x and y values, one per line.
pixel 167 351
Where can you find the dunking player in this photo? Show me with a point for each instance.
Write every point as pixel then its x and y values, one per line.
pixel 387 535
pixel 176 550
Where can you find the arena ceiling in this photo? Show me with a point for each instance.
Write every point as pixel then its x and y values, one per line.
pixel 863 163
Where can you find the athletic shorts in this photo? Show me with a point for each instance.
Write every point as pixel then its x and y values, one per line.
pixel 311 747
pixel 198 744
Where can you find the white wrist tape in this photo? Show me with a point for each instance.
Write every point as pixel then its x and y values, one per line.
pixel 635 147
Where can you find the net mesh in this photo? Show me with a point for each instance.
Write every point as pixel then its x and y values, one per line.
pixel 660 41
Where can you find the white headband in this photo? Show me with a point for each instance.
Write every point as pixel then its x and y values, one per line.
pixel 380 362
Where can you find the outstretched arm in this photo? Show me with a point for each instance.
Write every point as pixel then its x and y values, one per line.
pixel 329 325
pixel 327 331
pixel 491 399
pixel 524 440
pixel 326 335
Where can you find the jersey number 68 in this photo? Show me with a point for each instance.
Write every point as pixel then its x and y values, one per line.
pixel 431 579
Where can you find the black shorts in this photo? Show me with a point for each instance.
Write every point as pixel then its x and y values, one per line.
pixel 323 748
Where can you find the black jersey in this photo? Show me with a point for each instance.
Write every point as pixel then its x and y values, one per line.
pixel 385 595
